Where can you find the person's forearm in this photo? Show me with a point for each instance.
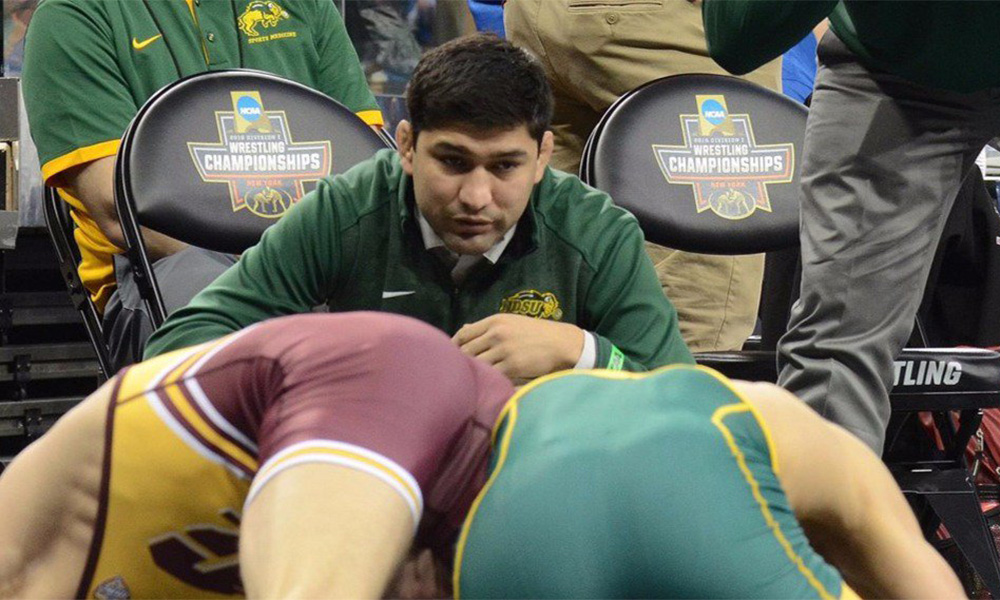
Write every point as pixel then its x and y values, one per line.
pixel 159 245
pixel 92 184
pixel 742 35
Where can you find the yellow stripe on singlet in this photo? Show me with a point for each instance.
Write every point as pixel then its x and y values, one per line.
pixel 509 411
pixel 171 386
pixel 412 493
pixel 718 418
pixel 768 438
pixel 137 380
pixel 207 430
pixel 599 373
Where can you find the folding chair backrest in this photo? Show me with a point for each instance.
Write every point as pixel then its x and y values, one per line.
pixel 707 163
pixel 216 158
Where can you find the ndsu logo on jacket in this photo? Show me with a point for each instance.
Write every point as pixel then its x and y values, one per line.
pixel 532 303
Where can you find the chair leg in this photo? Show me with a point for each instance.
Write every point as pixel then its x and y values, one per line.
pixel 952 496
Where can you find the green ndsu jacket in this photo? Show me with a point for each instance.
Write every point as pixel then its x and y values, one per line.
pixel 355 244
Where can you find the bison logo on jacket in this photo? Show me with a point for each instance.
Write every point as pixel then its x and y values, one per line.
pixel 266 14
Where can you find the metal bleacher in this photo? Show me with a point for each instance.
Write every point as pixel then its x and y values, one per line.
pixel 47 363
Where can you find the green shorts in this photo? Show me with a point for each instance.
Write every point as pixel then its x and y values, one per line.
pixel 608 485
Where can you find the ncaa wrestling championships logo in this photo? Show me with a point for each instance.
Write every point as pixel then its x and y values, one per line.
pixel 256 157
pixel 720 159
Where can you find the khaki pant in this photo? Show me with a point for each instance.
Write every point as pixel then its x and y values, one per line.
pixel 596 50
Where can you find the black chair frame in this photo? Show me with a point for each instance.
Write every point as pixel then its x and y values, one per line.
pixel 60 225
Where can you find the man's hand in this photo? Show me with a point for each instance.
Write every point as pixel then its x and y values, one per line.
pixel 522 347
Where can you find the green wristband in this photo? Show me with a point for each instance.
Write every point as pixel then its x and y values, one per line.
pixel 617 359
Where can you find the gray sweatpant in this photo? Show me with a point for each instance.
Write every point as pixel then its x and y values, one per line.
pixel 180 276
pixel 883 161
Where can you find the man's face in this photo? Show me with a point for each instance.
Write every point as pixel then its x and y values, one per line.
pixel 472 185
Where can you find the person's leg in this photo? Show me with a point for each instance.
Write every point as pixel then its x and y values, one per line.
pixel 716 296
pixel 180 276
pixel 531 24
pixel 883 161
pixel 366 526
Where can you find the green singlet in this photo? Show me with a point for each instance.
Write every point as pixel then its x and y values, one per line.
pixel 660 485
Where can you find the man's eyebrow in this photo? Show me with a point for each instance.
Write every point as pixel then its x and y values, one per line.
pixel 444 146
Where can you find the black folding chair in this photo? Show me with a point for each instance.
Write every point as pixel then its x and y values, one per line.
pixel 60 225
pixel 709 164
pixel 214 159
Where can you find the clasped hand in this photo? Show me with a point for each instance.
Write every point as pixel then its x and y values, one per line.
pixel 522 348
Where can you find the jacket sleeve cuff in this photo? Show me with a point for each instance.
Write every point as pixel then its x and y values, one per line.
pixel 609 356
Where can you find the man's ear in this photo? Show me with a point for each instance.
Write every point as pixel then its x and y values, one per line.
pixel 405 145
pixel 544 155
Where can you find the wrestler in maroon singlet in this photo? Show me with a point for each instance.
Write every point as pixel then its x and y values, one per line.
pixel 385 383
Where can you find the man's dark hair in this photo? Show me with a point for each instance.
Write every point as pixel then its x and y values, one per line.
pixel 482 81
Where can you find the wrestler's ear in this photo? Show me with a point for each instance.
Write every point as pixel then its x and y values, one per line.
pixel 545 149
pixel 406 145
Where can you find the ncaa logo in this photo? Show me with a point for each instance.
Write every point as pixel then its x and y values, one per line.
pixel 713 112
pixel 249 108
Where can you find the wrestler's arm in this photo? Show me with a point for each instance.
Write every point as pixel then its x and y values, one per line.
pixel 49 500
pixel 742 35
pixel 323 531
pixel 848 503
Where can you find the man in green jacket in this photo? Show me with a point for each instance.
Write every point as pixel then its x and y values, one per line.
pixel 907 94
pixel 465 228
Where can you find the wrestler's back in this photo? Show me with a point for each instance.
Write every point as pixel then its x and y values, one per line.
pixel 49 499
